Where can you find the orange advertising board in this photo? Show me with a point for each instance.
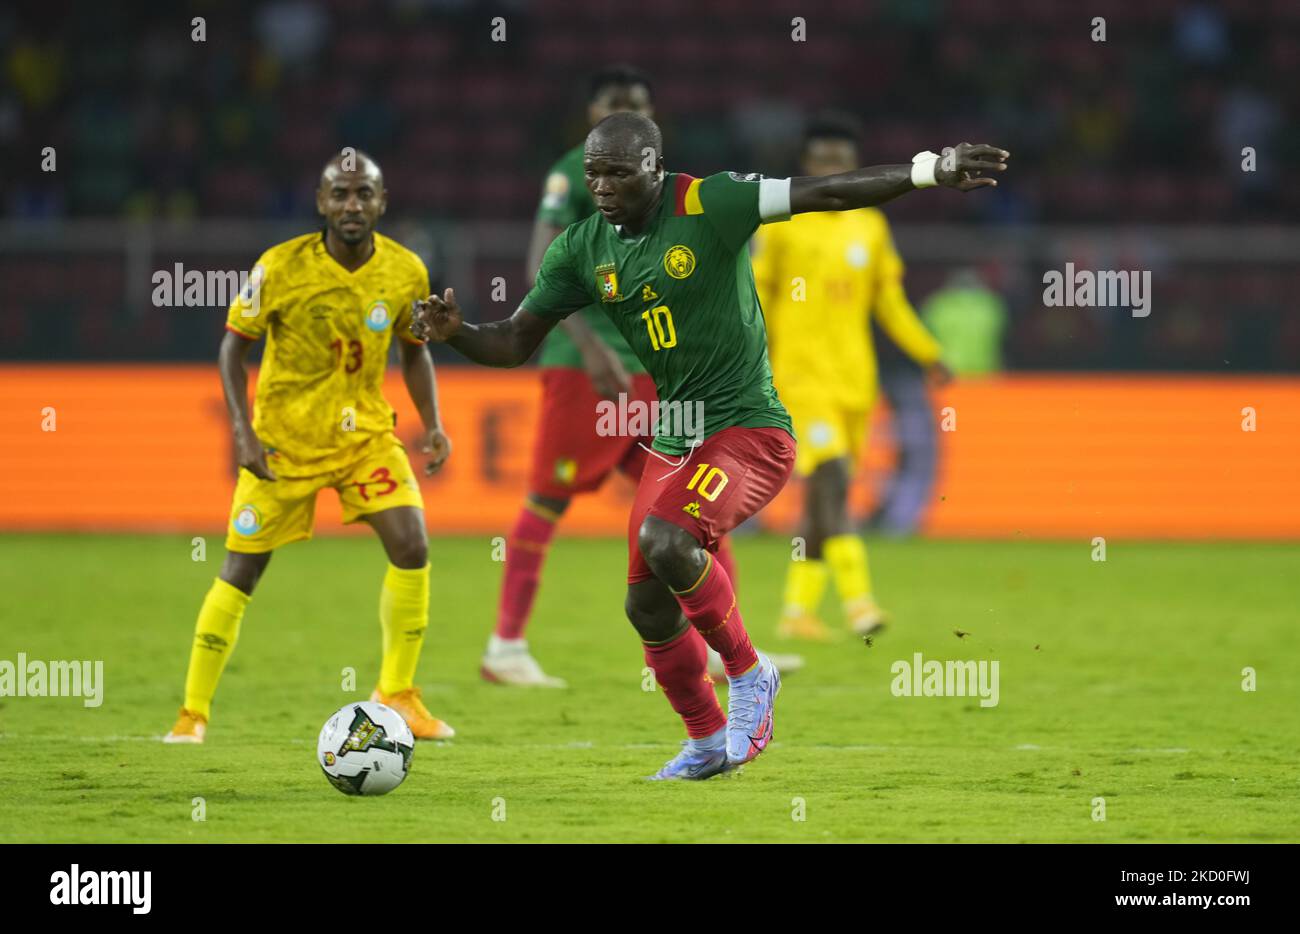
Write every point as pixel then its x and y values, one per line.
pixel 147 448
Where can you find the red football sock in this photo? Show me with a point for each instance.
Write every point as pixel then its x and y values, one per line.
pixel 681 668
pixel 726 558
pixel 711 607
pixel 525 552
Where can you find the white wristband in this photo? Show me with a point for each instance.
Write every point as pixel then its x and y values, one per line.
pixel 923 164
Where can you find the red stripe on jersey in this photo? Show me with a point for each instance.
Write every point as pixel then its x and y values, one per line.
pixel 231 327
pixel 683 183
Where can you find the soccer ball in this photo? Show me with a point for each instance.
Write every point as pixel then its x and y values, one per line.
pixel 365 749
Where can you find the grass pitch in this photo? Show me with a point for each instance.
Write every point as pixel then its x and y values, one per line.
pixel 1119 680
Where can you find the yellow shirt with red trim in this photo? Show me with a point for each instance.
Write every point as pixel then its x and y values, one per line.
pixel 319 395
pixel 821 278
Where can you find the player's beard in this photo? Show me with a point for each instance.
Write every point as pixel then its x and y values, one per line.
pixel 358 235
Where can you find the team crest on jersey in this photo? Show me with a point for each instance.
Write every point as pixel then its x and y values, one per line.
pixel 378 316
pixel 248 520
pixel 679 261
pixel 607 281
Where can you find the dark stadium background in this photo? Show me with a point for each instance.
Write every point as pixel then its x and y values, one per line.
pixel 1127 152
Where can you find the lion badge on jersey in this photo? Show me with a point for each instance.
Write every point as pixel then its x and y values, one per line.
pixel 378 317
pixel 679 261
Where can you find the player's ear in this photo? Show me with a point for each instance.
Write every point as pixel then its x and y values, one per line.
pixel 383 202
pixel 320 201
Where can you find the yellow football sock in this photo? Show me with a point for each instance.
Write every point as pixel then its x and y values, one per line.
pixel 847 556
pixel 805 583
pixel 403 614
pixel 215 636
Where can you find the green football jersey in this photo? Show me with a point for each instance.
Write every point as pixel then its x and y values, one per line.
pixel 682 294
pixel 566 201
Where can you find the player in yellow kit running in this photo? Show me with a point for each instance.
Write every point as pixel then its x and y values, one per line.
pixel 328 304
pixel 821 279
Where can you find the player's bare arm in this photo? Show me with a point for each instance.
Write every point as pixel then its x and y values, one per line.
pixel 231 361
pixel 961 167
pixel 506 343
pixel 422 386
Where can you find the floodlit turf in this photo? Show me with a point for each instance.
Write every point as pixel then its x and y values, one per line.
pixel 1119 680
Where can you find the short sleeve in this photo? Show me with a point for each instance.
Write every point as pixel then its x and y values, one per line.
pixel 420 289
pixel 557 292
pixel 249 314
pixel 729 203
pixel 559 200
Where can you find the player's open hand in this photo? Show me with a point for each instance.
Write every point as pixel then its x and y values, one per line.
pixel 251 455
pixel 437 319
pixel 963 166
pixel 437 446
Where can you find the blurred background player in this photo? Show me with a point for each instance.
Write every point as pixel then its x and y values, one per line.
pixel 968 319
pixel 583 360
pixel 821 279
pixel 328 304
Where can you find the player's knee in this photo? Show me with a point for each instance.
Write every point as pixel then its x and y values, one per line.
pixel 553 504
pixel 411 551
pixel 653 621
pixel 242 570
pixel 664 546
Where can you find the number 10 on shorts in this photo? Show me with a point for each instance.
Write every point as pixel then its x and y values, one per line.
pixel 706 477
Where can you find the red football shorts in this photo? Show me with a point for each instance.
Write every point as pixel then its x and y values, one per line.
pixel 729 478
pixel 568 456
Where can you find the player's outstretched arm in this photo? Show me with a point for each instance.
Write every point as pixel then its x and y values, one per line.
pixel 961 167
pixel 505 343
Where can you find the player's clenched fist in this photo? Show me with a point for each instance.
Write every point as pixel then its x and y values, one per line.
pixel 962 166
pixel 437 445
pixel 437 319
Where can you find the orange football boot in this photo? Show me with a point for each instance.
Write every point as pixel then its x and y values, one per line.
pixel 422 723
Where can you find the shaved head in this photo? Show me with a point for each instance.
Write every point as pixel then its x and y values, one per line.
pixel 352 161
pixel 626 134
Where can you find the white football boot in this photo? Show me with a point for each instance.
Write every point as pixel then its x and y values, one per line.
pixel 508 661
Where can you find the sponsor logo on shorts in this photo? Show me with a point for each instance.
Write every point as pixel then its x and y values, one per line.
pixel 679 261
pixel 692 509
pixel 378 316
pixel 247 520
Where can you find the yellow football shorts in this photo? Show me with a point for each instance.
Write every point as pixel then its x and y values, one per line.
pixel 266 514
pixel 826 432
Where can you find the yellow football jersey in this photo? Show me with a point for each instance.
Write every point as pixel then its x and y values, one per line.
pixel 820 278
pixel 319 391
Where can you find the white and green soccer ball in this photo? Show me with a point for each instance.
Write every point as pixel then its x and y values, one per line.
pixel 365 749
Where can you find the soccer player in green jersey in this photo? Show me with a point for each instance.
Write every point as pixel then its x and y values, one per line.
pixel 666 257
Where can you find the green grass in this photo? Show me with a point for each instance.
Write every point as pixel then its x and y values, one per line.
pixel 1119 680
